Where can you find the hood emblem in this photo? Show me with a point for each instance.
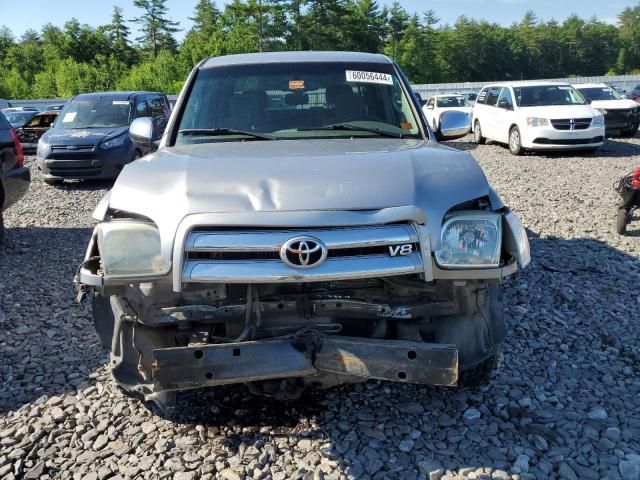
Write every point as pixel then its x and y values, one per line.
pixel 303 252
pixel 71 147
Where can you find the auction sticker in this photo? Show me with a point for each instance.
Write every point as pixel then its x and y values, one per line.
pixel 369 77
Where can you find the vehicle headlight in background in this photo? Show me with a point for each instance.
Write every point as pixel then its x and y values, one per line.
pixel 43 146
pixel 130 248
pixel 537 122
pixel 113 142
pixel 470 240
pixel 598 121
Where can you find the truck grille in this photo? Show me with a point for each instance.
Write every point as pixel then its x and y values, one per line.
pixel 74 148
pixel 253 256
pixel 571 123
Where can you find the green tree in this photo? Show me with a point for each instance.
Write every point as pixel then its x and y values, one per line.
pixel 117 34
pixel 157 28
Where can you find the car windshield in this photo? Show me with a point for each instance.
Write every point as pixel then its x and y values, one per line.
pixel 545 95
pixel 296 100
pixel 600 93
pixel 453 101
pixel 19 118
pixel 95 113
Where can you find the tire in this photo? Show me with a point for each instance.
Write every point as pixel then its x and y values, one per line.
pixel 622 219
pixel 477 134
pixel 479 374
pixel 515 142
pixel 52 181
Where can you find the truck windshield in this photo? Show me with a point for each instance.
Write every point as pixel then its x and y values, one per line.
pixel 545 95
pixel 95 113
pixel 296 100
pixel 600 93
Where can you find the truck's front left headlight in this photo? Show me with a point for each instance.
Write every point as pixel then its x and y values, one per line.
pixel 470 240
pixel 130 249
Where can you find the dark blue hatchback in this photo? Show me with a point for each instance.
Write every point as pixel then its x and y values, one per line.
pixel 90 138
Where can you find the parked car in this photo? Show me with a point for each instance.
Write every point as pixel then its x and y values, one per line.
pixel 31 132
pixel 324 239
pixel 536 116
pixel 438 104
pixel 19 118
pixel 470 96
pixel 90 138
pixel 621 116
pixel 14 176
pixel 635 94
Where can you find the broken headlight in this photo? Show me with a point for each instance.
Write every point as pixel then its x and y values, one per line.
pixel 130 249
pixel 470 240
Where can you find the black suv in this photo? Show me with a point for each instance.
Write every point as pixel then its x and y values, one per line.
pixel 14 176
pixel 90 138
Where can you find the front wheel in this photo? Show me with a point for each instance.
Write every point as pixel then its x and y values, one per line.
pixel 622 219
pixel 477 134
pixel 515 142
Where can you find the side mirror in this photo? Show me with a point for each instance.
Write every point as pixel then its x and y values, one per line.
pixel 589 100
pixel 504 104
pixel 454 124
pixel 142 132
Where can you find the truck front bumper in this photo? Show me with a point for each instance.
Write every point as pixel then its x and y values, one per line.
pixel 184 368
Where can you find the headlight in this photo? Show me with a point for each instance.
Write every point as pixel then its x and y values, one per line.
pixel 43 146
pixel 537 122
pixel 598 121
pixel 470 240
pixel 114 142
pixel 130 249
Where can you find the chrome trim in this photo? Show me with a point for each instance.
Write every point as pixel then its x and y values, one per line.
pixel 274 271
pixel 272 241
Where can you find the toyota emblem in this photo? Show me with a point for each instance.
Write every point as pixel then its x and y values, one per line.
pixel 303 252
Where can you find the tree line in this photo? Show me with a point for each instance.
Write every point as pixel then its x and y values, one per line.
pixel 63 61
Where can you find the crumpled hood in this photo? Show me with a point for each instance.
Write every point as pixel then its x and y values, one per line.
pixel 298 175
pixel 557 112
pixel 79 136
pixel 614 104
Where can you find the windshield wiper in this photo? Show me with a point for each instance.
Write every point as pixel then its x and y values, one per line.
pixel 354 127
pixel 212 132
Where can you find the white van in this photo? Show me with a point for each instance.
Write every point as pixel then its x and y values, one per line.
pixel 536 116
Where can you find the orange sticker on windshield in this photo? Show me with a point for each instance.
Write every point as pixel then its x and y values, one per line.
pixel 406 125
pixel 296 84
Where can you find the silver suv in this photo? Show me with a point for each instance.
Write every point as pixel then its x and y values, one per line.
pixel 299 225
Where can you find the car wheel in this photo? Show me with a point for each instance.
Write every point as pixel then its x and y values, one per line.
pixel 515 142
pixel 52 181
pixel 622 219
pixel 477 134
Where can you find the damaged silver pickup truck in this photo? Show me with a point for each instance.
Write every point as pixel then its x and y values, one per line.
pixel 300 225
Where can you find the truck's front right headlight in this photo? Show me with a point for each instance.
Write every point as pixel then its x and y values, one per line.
pixel 470 240
pixel 130 248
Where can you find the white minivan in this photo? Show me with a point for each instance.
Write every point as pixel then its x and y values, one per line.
pixel 536 116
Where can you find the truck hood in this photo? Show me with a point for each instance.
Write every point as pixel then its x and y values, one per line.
pixel 297 175
pixel 614 104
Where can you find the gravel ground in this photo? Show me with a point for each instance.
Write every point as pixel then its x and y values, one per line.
pixel 565 402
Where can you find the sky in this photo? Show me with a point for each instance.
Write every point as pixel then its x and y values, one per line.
pixel 19 18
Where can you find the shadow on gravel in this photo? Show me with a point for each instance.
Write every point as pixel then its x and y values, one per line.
pixel 47 343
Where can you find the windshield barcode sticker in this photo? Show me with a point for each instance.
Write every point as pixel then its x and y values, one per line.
pixel 369 77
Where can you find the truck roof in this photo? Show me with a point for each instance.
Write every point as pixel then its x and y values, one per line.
pixel 295 57
pixel 127 95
